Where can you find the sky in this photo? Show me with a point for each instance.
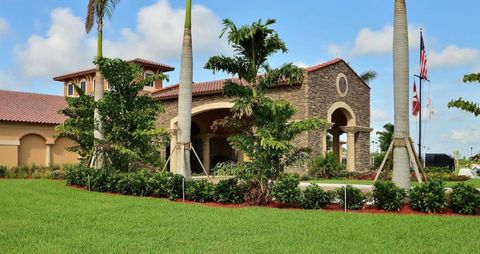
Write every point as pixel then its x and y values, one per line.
pixel 47 38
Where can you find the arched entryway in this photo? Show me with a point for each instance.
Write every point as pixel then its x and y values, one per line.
pixel 342 120
pixel 211 145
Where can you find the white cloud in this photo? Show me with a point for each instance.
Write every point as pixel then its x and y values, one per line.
pixel 467 135
pixel 62 50
pixel 8 81
pixel 157 36
pixel 4 27
pixel 371 42
pixel 300 64
pixel 379 115
pixel 453 56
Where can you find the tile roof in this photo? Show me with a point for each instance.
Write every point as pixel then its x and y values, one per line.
pixel 31 107
pixel 216 86
pixel 140 61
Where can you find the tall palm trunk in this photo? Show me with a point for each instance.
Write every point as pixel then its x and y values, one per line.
pixel 185 98
pixel 401 166
pixel 98 95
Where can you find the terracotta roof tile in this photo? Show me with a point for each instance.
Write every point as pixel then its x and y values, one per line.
pixel 31 107
pixel 153 64
pixel 216 86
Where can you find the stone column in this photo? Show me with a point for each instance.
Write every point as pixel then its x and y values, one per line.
pixel 206 152
pixel 336 148
pixel 173 154
pixel 350 151
pixel 48 156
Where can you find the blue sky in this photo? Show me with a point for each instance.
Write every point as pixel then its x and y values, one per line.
pixel 41 40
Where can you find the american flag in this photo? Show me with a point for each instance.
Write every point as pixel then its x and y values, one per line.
pixel 415 102
pixel 423 58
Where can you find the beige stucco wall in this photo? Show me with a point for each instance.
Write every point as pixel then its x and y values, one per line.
pixel 32 150
pixel 8 156
pixel 61 156
pixel 26 144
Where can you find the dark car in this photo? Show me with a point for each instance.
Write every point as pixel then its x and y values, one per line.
pixel 439 160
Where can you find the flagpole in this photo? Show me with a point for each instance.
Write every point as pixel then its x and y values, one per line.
pixel 420 122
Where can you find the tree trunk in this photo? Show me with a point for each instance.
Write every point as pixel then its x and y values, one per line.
pixel 401 166
pixel 185 99
pixel 98 95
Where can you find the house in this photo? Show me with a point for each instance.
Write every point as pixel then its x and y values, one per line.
pixel 27 120
pixel 331 91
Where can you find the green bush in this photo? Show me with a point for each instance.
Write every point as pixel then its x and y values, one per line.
pixel 388 196
pixel 437 170
pixel 77 174
pixel 314 197
pixel 200 191
pixel 450 176
pixel 429 196
pixel 464 199
pixel 326 167
pixel 135 184
pixel 355 197
pixel 159 184
pixel 104 180
pixel 3 171
pixel 286 189
pixel 230 191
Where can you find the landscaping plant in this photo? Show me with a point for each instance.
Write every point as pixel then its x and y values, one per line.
pixel 230 191
pixel 131 136
pixel 200 191
pixel 465 199
pixel 314 197
pixel 355 197
pixel 265 125
pixel 286 189
pixel 326 166
pixel 428 197
pixel 388 196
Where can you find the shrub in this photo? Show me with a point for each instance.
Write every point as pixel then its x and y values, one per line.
pixel 230 191
pixel 174 186
pixel 437 170
pixel 3 171
pixel 464 199
pixel 104 180
pixel 314 197
pixel 286 189
pixel 57 174
pixel 355 197
pixel 134 183
pixel 388 196
pixel 429 196
pixel 200 191
pixel 447 176
pixel 77 174
pixel 326 167
pixel 158 184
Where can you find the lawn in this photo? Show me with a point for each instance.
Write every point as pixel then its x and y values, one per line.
pixel 475 182
pixel 43 216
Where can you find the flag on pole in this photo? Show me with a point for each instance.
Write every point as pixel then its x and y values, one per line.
pixel 430 104
pixel 416 103
pixel 423 58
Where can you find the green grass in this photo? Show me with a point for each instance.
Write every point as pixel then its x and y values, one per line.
pixel 42 216
pixel 474 182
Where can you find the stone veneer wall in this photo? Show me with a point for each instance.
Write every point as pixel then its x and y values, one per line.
pixel 311 99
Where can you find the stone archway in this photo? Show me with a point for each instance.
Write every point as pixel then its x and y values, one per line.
pixel 202 137
pixel 342 120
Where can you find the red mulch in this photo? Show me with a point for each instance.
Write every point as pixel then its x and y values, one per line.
pixel 406 209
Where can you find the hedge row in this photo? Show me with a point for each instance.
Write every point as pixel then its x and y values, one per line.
pixel 429 197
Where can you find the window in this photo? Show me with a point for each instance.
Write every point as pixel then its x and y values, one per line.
pixel 148 74
pixel 83 85
pixel 342 84
pixel 70 89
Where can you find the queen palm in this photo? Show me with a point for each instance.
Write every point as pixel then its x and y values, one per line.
pixel 185 98
pixel 97 9
pixel 401 167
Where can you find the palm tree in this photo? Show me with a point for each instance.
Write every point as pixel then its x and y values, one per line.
pixel 468 106
pixel 368 76
pixel 401 167
pixel 185 98
pixel 97 9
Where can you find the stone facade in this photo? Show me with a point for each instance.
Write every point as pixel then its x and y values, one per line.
pixel 315 97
